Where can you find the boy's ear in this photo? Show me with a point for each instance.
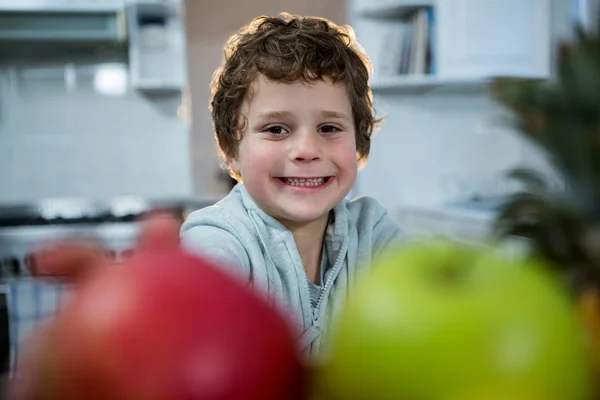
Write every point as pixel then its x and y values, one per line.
pixel 233 165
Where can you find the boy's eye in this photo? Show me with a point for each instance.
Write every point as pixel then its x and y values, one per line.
pixel 329 129
pixel 276 130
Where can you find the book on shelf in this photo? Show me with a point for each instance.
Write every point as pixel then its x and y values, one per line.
pixel 408 46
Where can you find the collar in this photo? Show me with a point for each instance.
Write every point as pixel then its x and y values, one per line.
pixel 335 234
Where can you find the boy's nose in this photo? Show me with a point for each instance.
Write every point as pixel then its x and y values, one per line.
pixel 306 147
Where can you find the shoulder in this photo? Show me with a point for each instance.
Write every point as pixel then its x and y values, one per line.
pixel 229 214
pixel 373 221
pixel 365 210
pixel 222 231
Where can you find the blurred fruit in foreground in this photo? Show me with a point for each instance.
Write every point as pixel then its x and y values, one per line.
pixel 495 394
pixel 68 260
pixel 436 320
pixel 589 309
pixel 71 259
pixel 167 325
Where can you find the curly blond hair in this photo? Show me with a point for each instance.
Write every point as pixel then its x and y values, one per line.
pixel 289 48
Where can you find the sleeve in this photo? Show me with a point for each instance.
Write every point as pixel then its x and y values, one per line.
pixel 219 245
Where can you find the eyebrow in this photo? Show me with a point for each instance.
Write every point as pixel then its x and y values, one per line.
pixel 287 114
pixel 334 114
pixel 275 115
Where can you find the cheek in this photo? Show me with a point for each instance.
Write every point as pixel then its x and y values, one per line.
pixel 257 157
pixel 345 154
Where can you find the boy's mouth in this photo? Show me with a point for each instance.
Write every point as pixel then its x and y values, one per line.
pixel 305 182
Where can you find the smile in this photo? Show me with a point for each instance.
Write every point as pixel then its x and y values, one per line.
pixel 305 182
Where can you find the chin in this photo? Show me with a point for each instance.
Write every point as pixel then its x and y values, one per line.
pixel 306 216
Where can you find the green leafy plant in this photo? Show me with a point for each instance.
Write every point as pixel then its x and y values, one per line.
pixel 561 117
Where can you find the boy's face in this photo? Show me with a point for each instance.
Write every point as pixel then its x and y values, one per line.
pixel 297 157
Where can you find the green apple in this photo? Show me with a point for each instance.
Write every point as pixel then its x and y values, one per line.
pixel 441 320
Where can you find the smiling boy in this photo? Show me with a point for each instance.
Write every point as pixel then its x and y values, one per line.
pixel 293 118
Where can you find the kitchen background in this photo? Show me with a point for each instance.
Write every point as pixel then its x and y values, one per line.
pixel 147 131
pixel 62 140
pixel 63 135
pixel 104 112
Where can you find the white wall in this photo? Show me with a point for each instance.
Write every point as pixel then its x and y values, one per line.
pixel 59 144
pixel 435 148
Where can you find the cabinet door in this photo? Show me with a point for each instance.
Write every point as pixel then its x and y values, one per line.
pixel 494 37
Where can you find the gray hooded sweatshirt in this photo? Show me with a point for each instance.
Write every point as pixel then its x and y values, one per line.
pixel 260 251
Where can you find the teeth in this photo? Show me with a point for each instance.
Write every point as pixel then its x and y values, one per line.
pixel 304 182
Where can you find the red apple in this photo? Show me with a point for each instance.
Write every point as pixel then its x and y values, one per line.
pixel 166 325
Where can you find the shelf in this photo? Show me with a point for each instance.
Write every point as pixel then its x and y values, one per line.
pixel 394 9
pixel 417 83
pixel 157 87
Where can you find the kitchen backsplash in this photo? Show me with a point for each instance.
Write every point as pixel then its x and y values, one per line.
pixel 62 137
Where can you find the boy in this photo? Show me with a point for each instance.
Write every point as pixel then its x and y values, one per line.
pixel 293 118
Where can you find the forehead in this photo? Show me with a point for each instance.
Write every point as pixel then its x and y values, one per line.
pixel 296 97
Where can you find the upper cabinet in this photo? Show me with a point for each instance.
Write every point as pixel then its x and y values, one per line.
pixel 157 51
pixel 148 35
pixel 420 44
pixel 481 38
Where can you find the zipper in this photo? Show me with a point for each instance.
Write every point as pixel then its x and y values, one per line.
pixel 328 283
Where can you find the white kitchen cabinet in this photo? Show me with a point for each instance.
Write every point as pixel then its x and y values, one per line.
pixel 467 41
pixel 157 58
pixel 481 38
